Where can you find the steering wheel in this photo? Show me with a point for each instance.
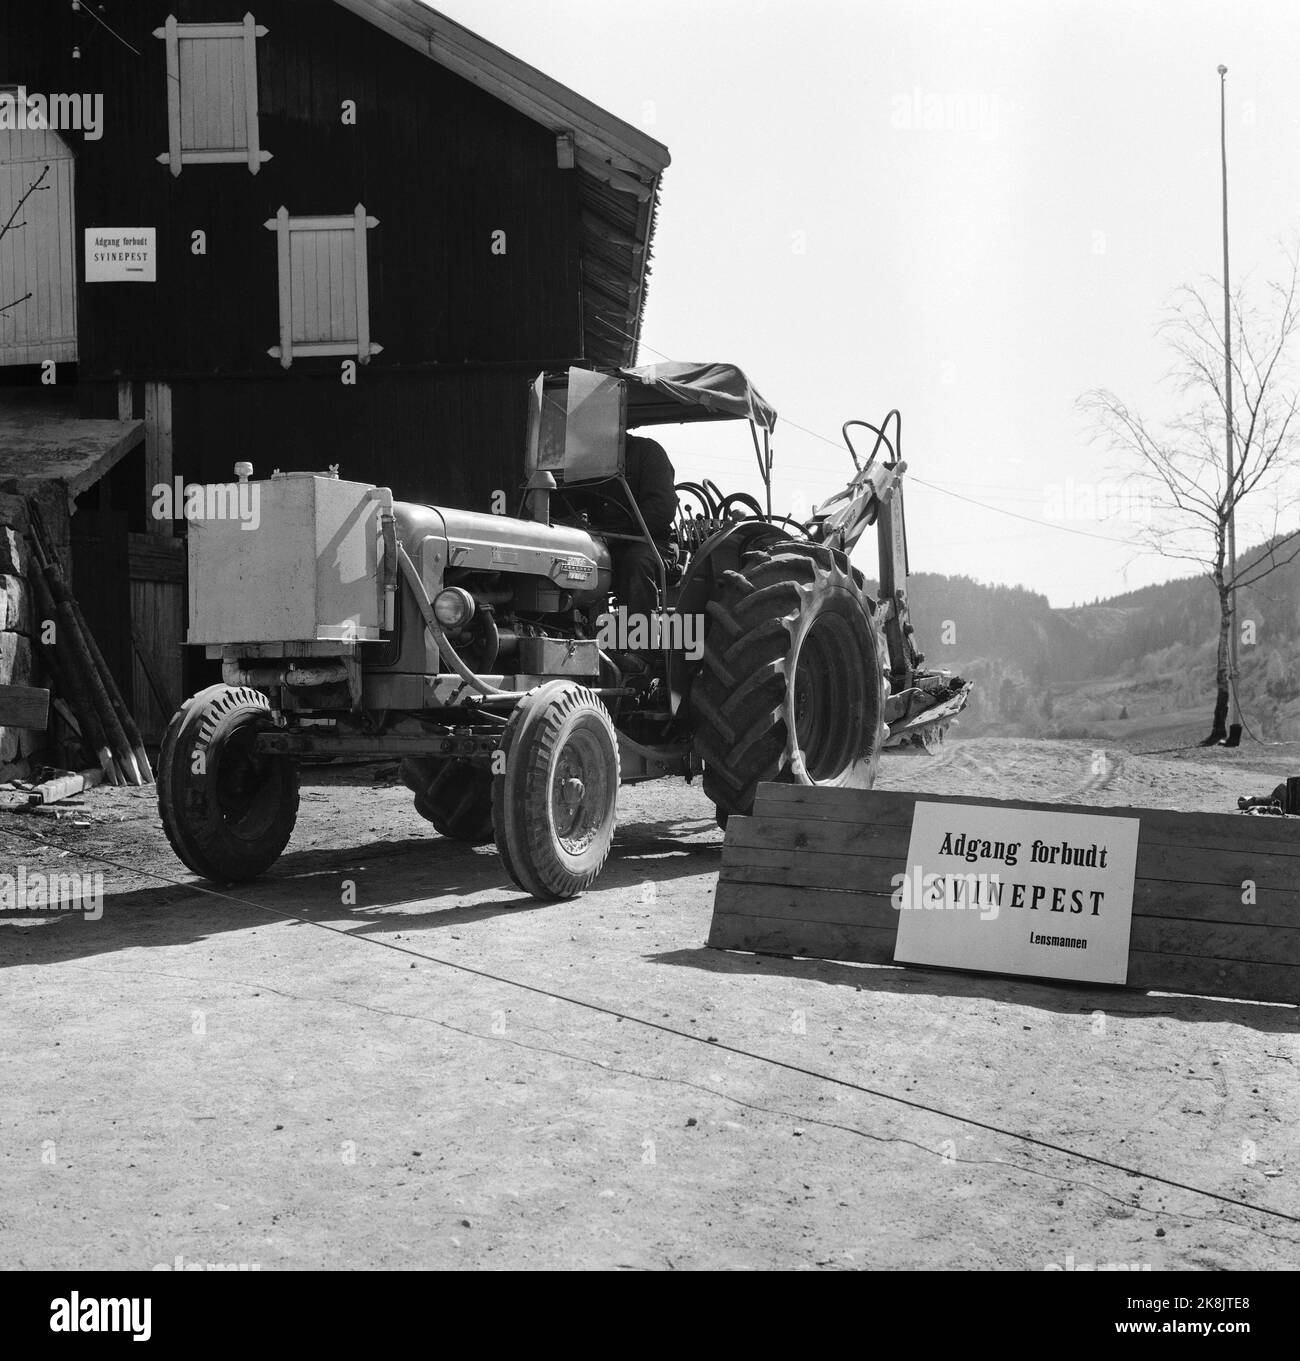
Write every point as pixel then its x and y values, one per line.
pixel 604 496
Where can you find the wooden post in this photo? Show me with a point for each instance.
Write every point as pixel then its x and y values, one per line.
pixel 158 462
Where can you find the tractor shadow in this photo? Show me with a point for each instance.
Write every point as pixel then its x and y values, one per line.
pixel 1065 998
pixel 380 887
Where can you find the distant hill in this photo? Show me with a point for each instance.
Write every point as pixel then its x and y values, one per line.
pixel 1139 664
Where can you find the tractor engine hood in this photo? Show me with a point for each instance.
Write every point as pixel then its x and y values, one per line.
pixel 571 558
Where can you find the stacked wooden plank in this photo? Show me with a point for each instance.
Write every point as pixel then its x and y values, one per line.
pixel 1216 902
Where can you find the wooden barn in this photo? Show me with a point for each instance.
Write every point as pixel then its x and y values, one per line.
pixel 315 232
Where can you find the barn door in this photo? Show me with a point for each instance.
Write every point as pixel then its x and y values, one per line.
pixel 38 257
pixel 157 569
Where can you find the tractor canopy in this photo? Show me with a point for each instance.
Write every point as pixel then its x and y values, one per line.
pixel 675 393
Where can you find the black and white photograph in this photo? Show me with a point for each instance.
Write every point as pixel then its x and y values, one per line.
pixel 650 638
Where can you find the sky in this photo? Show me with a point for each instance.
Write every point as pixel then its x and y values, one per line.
pixel 974 212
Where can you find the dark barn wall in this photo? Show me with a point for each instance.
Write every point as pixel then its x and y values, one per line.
pixel 449 439
pixel 440 164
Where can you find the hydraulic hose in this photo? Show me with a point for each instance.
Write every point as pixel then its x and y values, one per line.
pixel 445 649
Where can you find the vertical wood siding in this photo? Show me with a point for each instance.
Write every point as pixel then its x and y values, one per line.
pixel 441 165
pixel 38 255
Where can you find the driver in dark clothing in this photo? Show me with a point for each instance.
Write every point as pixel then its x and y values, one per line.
pixel 650 478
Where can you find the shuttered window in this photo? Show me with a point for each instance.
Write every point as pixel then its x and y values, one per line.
pixel 324 286
pixel 212 94
pixel 38 257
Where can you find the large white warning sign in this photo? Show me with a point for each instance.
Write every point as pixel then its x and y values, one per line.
pixel 1012 890
pixel 121 255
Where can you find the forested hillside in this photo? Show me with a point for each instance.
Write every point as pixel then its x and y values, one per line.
pixel 1138 662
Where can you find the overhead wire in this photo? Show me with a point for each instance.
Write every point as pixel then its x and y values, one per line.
pixel 912 477
pixel 85 8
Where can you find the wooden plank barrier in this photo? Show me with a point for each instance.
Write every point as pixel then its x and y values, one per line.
pixel 812 871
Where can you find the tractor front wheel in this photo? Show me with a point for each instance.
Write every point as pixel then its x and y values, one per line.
pixel 554 806
pixel 227 809
pixel 791 687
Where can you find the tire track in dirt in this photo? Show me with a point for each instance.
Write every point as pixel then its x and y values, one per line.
pixel 1036 771
pixel 1104 768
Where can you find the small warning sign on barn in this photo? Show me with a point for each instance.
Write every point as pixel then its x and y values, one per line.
pixel 1010 890
pixel 121 255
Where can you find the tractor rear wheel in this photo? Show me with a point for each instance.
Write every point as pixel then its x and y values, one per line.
pixel 791 687
pixel 453 794
pixel 554 807
pixel 228 809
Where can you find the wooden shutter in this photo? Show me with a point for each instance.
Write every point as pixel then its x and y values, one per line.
pixel 324 286
pixel 38 254
pixel 212 114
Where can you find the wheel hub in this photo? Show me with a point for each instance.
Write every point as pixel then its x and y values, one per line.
pixel 826 708
pixel 578 793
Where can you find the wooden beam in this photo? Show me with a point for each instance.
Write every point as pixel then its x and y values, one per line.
pixel 598 226
pixel 599 279
pixel 158 462
pixel 280 226
pixel 616 179
pixel 171 35
pixel 22 706
pixel 361 224
pixel 251 32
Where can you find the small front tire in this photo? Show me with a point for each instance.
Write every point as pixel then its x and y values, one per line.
pixel 554 808
pixel 227 809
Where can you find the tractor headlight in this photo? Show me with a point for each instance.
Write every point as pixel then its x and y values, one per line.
pixel 454 607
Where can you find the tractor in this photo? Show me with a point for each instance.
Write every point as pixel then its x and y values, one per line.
pixel 479 649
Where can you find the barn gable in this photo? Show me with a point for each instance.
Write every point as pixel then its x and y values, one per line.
pixel 617 165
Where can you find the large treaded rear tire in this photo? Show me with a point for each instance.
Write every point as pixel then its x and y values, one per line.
pixel 791 687
pixel 228 811
pixel 453 794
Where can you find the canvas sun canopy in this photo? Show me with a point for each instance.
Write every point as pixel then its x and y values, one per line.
pixel 669 394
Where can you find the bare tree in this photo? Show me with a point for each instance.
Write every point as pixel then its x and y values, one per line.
pixel 1181 464
pixel 37 185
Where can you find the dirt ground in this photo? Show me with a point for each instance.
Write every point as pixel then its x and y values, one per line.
pixel 195 1077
